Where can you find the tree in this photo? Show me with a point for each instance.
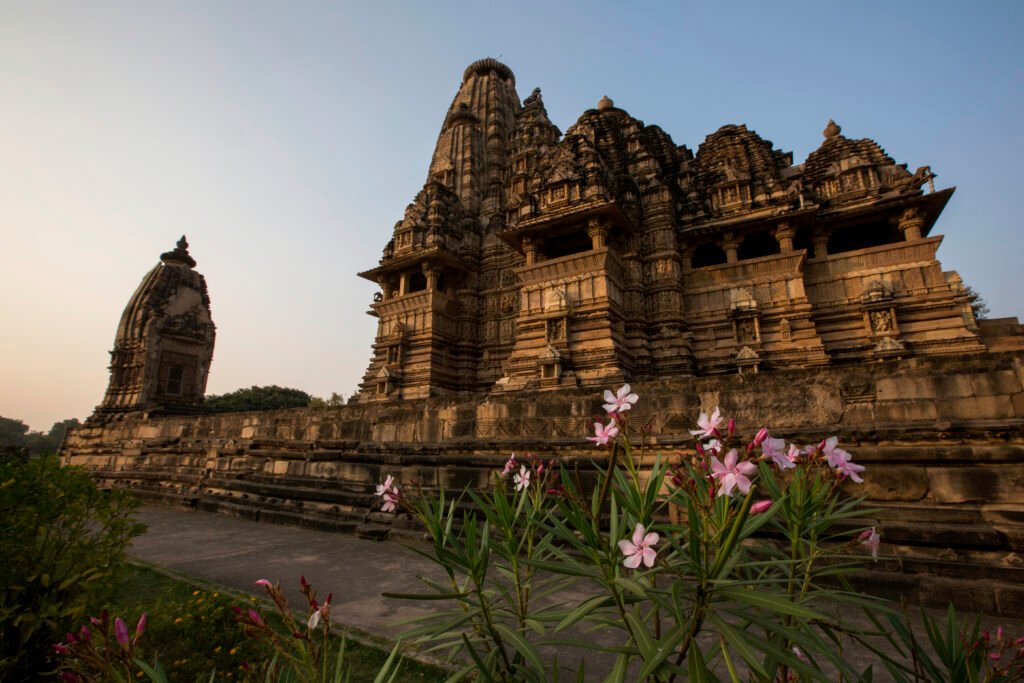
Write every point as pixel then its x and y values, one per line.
pixel 336 399
pixel 258 398
pixel 12 432
pixel 978 305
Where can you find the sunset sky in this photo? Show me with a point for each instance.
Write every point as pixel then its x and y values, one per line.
pixel 286 138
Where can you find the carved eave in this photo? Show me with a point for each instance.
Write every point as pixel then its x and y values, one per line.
pixel 930 205
pixel 739 223
pixel 437 255
pixel 554 222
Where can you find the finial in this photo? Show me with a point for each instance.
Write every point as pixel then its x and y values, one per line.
pixel 179 255
pixel 831 130
pixel 605 103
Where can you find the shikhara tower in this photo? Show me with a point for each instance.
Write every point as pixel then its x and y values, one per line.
pixel 533 260
pixel 164 342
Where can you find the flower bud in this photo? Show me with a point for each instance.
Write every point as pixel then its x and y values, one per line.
pixel 121 631
pixel 60 648
pixel 140 627
pixel 762 434
pixel 732 427
pixel 760 506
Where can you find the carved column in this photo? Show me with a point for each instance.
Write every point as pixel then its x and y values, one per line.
pixel 529 250
pixel 597 230
pixel 820 242
pixel 731 244
pixel 403 284
pixel 911 224
pixel 385 286
pixel 430 272
pixel 784 233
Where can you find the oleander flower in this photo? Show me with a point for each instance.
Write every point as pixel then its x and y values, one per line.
pixel 620 401
pixel 872 539
pixel 389 482
pixel 640 548
pixel 772 448
pixel 760 506
pixel 708 425
pixel 731 473
pixel 522 479
pixel 320 612
pixel 510 466
pixel 602 433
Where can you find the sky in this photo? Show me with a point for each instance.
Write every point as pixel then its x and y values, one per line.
pixel 286 138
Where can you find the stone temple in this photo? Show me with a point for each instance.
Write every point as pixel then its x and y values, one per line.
pixel 533 260
pixel 536 269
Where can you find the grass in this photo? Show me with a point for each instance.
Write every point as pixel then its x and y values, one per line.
pixel 192 631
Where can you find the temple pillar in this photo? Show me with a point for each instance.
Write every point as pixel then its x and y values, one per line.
pixel 911 224
pixel 784 233
pixel 597 230
pixel 529 250
pixel 731 245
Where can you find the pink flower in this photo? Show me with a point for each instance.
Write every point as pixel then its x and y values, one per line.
pixel 772 448
pixel 621 401
pixel 60 648
pixel 254 617
pixel 708 426
pixel 390 500
pixel 732 474
pixel 794 454
pixel 841 460
pixel 872 539
pixel 389 492
pixel 603 433
pixel 389 482
pixel 84 634
pixel 760 506
pixel 522 479
pixel 121 631
pixel 510 466
pixel 800 655
pixel 834 454
pixel 264 583
pixel 762 434
pixel 320 612
pixel 640 549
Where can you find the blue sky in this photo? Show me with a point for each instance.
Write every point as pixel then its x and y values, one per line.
pixel 285 139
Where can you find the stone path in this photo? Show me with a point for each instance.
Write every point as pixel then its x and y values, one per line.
pixel 236 552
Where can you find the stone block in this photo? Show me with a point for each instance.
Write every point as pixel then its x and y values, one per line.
pixel 915 410
pixel 992 484
pixel 1000 383
pixel 894 483
pixel 984 407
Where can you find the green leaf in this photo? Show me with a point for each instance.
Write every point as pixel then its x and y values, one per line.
pixel 522 646
pixel 776 603
pixel 618 672
pixel 425 596
pixel 735 638
pixel 583 610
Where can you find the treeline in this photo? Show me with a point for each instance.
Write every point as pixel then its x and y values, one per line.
pixel 267 398
pixel 15 434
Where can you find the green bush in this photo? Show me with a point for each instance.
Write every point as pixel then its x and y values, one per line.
pixel 62 544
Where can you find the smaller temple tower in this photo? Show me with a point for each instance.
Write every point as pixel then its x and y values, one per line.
pixel 164 343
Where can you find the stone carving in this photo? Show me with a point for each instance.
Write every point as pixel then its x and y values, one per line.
pixel 881 321
pixel 164 343
pixel 635 234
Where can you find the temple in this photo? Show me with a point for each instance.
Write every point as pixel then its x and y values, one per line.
pixel 535 270
pixel 164 342
pixel 533 260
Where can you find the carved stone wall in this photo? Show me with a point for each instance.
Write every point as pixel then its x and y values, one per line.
pixel 941 439
pixel 729 260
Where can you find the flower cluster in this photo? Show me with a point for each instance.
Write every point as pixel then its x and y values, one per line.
pixel 107 648
pixel 614 404
pixel 532 471
pixel 388 491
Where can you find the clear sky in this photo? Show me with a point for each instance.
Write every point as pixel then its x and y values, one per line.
pixel 286 138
